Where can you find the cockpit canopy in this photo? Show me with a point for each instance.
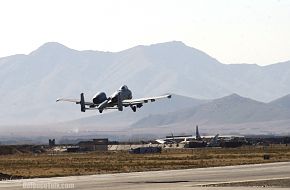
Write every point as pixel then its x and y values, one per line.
pixel 124 87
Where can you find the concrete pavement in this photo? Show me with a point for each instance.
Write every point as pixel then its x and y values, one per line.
pixel 170 179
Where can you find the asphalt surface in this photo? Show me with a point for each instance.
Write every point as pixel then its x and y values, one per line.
pixel 170 179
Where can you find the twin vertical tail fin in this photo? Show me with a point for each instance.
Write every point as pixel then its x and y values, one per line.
pixel 82 103
pixel 120 99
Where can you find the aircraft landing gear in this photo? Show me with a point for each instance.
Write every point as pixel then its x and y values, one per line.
pixel 101 111
pixel 134 108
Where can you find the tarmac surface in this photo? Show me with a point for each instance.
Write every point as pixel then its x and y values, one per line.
pixel 170 179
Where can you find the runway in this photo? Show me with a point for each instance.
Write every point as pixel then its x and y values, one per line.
pixel 170 179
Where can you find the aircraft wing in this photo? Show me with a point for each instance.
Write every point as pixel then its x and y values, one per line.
pixel 144 100
pixel 75 101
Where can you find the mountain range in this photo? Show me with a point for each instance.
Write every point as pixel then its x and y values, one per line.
pixel 31 83
pixel 232 113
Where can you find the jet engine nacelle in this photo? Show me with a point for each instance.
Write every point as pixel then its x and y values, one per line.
pixel 99 98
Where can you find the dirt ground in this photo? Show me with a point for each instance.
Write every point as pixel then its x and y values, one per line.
pixel 49 164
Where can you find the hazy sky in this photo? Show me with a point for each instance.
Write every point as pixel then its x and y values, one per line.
pixel 245 31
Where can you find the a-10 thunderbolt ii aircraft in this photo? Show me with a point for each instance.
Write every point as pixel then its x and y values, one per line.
pixel 120 98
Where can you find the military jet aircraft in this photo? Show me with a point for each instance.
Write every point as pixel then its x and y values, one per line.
pixel 118 100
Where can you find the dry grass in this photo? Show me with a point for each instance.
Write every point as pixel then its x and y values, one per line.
pixel 45 165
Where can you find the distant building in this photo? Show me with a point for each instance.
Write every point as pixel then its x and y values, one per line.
pixel 145 150
pixel 51 142
pixel 73 149
pixel 94 145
